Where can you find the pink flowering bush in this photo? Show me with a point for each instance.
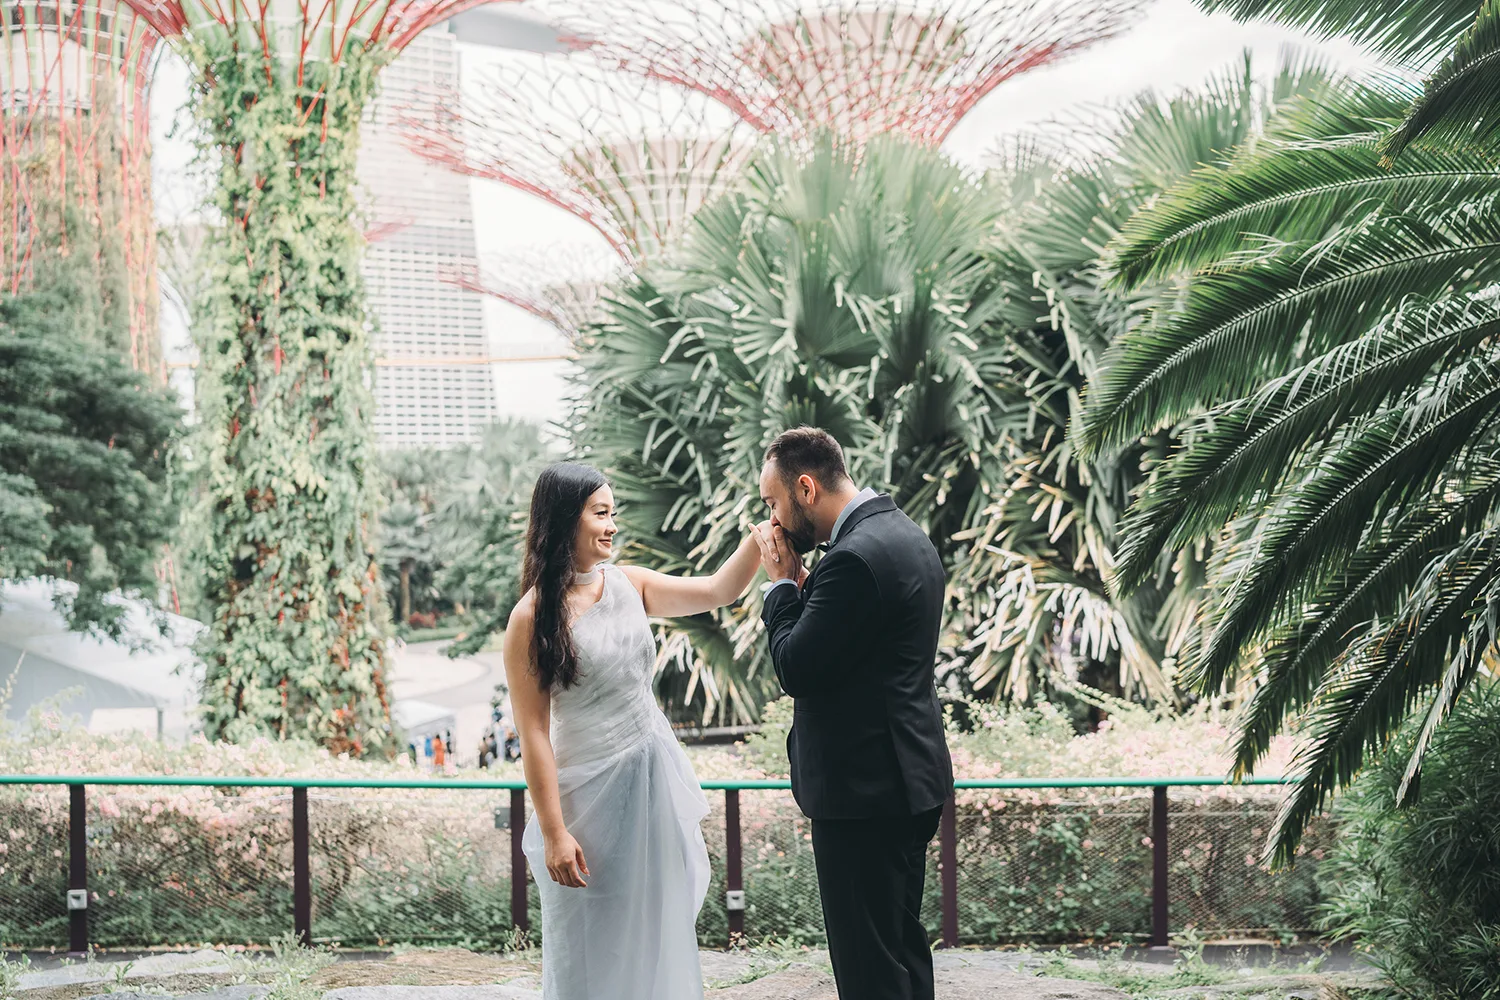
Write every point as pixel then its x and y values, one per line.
pixel 1056 864
pixel 185 865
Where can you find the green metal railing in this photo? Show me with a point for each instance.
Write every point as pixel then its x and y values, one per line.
pixel 78 867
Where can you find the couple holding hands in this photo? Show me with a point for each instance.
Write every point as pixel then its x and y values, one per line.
pixel 615 843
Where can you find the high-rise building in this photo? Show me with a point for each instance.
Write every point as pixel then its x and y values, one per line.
pixel 421 226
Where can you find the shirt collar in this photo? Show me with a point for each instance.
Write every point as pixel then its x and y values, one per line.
pixel 859 498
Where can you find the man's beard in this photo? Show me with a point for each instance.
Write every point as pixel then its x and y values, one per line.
pixel 799 530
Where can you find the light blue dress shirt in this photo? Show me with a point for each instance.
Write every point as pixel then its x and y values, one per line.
pixel 862 496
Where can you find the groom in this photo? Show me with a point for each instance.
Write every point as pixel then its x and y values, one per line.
pixel 853 643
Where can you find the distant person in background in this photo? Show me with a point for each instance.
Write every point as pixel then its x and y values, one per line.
pixel 448 741
pixel 438 754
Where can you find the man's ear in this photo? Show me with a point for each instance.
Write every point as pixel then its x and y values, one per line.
pixel 809 489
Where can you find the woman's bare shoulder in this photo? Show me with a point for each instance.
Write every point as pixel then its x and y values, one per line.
pixel 523 614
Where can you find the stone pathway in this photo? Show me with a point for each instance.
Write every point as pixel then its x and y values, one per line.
pixel 454 974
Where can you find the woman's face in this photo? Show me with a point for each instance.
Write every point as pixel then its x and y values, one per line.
pixel 594 542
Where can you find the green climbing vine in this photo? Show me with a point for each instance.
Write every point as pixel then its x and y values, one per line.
pixel 287 501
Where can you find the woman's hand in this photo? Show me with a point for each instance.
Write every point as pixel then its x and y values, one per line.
pixel 565 862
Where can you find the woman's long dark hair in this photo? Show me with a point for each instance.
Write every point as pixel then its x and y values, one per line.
pixel 556 505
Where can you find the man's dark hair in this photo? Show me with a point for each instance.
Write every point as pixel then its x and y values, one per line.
pixel 808 451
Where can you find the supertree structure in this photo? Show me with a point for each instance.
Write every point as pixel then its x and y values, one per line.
pixel 75 79
pixel 856 68
pixel 560 284
pixel 294 645
pixel 628 155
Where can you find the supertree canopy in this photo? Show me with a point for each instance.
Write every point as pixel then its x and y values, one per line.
pixel 75 79
pixel 857 68
pixel 561 284
pixel 628 155
pixel 295 644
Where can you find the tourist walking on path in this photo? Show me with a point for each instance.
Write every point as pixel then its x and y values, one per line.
pixel 614 842
pixel 854 643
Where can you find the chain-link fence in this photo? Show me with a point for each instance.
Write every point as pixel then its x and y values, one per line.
pixel 433 862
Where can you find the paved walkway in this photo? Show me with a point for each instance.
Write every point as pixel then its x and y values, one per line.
pixel 423 671
pixel 454 974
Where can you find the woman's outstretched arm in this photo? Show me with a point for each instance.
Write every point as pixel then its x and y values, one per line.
pixel 668 596
pixel 532 710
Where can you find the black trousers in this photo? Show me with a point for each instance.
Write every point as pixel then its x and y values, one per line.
pixel 870 875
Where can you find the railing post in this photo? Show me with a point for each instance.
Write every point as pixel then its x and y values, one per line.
pixel 948 863
pixel 519 917
pixel 1159 861
pixel 301 869
pixel 78 873
pixel 734 878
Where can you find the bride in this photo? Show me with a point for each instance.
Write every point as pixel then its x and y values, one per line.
pixel 614 842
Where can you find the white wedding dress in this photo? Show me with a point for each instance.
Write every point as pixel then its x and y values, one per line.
pixel 630 798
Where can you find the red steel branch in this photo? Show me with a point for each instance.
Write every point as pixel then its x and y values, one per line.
pixel 302 32
pixel 75 80
pixel 561 285
pixel 858 68
pixel 629 156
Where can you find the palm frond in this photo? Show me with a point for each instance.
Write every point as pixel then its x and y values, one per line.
pixel 1411 30
pixel 1241 324
pixel 1436 643
pixel 1246 446
pixel 1295 658
pixel 1396 455
pixel 1297 194
pixel 1461 101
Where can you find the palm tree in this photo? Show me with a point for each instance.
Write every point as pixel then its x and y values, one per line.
pixel 942 326
pixel 1034 577
pixel 842 290
pixel 1327 370
pixel 405 541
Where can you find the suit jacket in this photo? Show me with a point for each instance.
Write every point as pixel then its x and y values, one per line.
pixel 855 649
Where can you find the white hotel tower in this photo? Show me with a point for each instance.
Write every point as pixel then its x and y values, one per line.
pixel 421 226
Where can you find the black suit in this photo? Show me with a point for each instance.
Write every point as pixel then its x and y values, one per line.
pixel 855 649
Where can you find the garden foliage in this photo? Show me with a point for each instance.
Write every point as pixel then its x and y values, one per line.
pixel 942 325
pixel 84 440
pixel 1325 374
pixel 1417 886
pixel 189 865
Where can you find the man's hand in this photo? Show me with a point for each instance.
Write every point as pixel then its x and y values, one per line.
pixel 776 555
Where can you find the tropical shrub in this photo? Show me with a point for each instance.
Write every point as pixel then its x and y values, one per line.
pixel 1417 884
pixel 447 541
pixel 1326 377
pixel 942 325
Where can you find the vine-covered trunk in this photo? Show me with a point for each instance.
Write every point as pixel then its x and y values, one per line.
pixel 296 644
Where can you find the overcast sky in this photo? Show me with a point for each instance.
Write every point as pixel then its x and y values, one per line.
pixel 1173 46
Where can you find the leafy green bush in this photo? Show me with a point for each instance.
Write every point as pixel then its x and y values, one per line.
pixel 1418 885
